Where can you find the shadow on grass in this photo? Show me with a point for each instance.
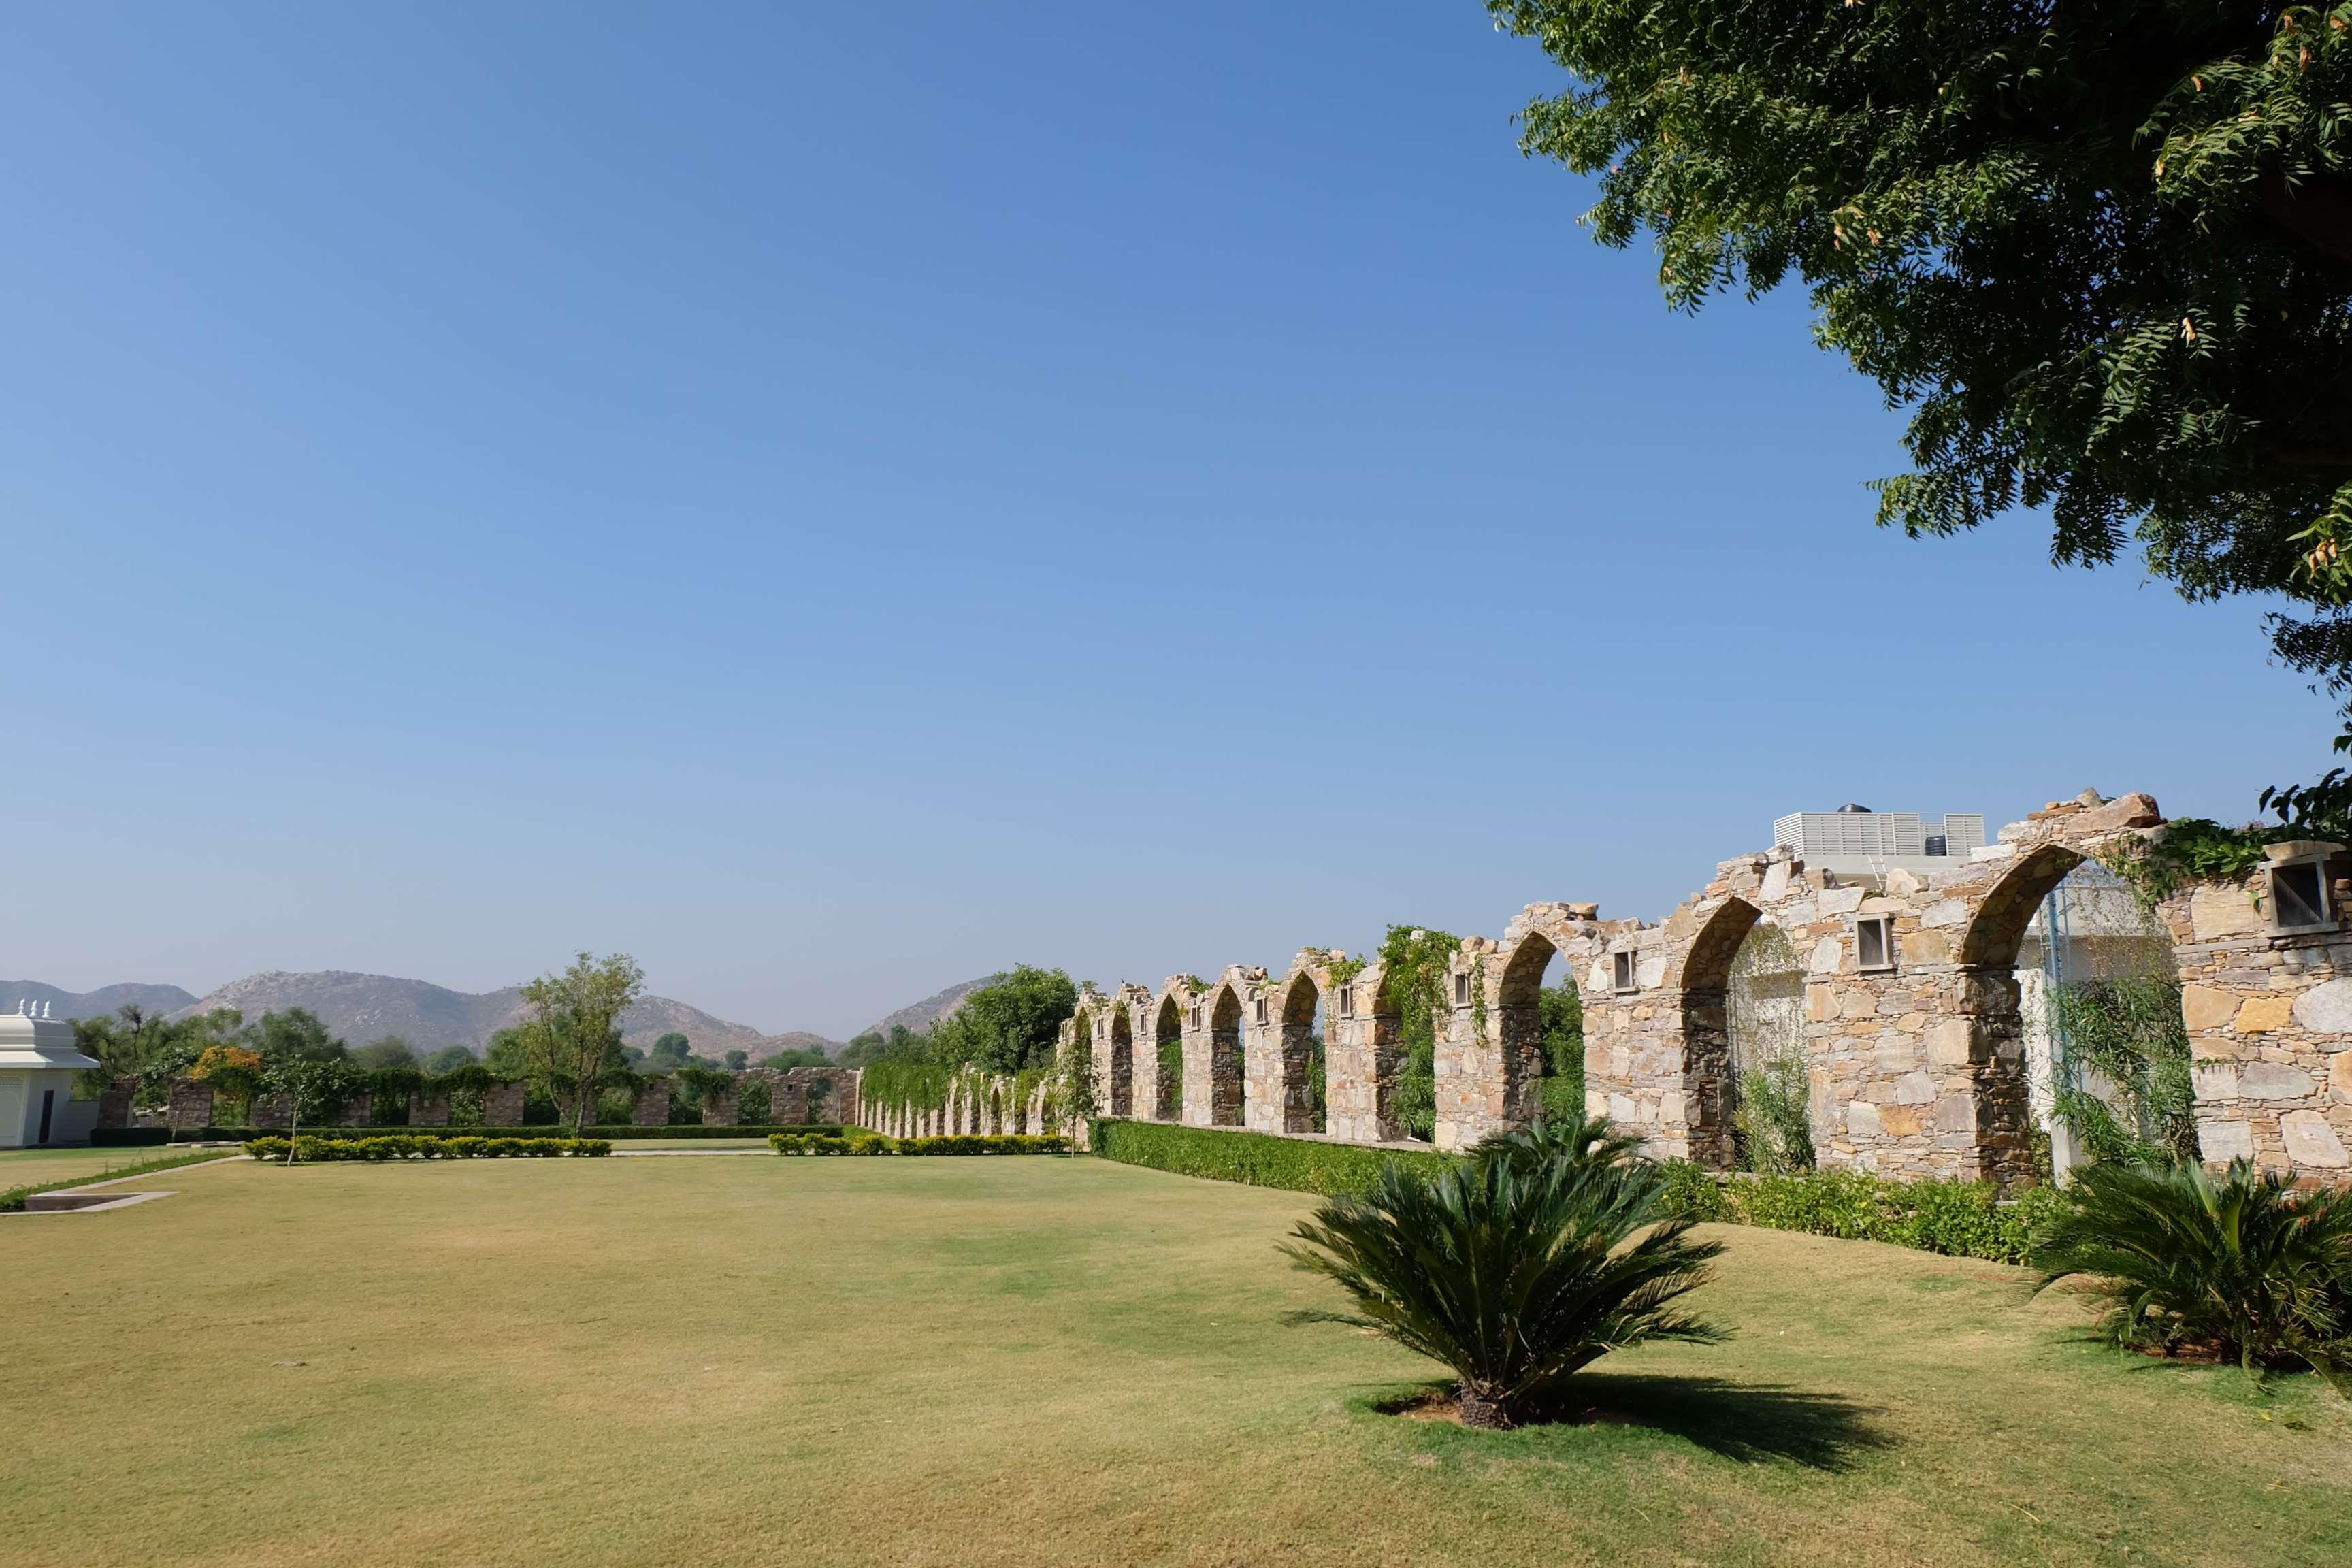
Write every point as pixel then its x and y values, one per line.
pixel 1748 1423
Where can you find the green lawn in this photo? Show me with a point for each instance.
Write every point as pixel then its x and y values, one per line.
pixel 32 1168
pixel 1024 1361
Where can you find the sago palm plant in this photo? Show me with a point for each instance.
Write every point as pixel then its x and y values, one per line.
pixel 1515 1269
pixel 2242 1267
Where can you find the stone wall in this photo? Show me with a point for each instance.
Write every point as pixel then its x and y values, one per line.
pixel 1913 1033
pixel 502 1104
pixel 191 1106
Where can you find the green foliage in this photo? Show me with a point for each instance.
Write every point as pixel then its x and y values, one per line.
pixel 2194 849
pixel 1562 1013
pixel 1959 1219
pixel 831 1143
pixel 1516 1268
pixel 569 1038
pixel 391 1051
pixel 2100 249
pixel 450 1060
pixel 1773 1122
pixel 1574 1136
pixel 1075 1092
pixel 401 1146
pixel 1254 1159
pixel 899 1085
pixel 1008 1026
pixel 1413 961
pixel 668 1054
pixel 2241 1269
pixel 2128 1028
pixel 1001 1144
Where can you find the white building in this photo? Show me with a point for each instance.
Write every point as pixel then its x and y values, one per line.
pixel 1860 841
pixel 37 1063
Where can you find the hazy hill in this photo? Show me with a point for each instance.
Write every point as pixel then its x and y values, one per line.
pixel 92 1004
pixel 364 1007
pixel 920 1016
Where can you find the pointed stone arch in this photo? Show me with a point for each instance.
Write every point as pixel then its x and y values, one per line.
pixel 1226 1041
pixel 1168 1055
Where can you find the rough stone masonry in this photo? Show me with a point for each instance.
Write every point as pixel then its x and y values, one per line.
pixel 1913 1034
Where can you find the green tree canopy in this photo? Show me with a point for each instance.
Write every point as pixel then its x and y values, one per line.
pixel 391 1051
pixel 1007 1026
pixel 448 1059
pixel 2102 250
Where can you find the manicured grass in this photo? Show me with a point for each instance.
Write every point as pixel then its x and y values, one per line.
pixel 994 1361
pixel 37 1167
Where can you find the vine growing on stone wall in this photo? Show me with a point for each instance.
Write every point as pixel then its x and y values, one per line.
pixel 1344 970
pixel 1414 962
pixel 2195 850
pixel 1478 1000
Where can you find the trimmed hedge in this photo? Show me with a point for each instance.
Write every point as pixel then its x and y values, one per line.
pixel 969 1144
pixel 822 1144
pixel 399 1146
pixel 1959 1219
pixel 1255 1159
pixel 863 1142
pixel 108 1137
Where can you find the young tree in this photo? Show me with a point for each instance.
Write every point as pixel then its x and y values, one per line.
pixel 1074 1091
pixel 2102 251
pixel 309 1083
pixel 571 1032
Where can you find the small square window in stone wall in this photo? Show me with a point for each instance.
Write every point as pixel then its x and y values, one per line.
pixel 1627 974
pixel 1347 1001
pixel 1462 991
pixel 2298 896
pixel 1874 943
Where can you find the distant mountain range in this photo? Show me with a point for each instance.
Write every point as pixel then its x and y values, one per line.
pixel 922 1015
pixel 361 1009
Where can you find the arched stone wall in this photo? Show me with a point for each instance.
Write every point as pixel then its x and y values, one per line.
pixel 1363 1052
pixel 1915 1060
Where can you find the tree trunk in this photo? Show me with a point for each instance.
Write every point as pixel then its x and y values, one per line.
pixel 1478 1410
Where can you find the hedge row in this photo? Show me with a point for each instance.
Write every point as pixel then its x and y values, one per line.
pixel 1255 1159
pixel 399 1146
pixel 1960 1219
pixel 874 1143
pixel 139 1136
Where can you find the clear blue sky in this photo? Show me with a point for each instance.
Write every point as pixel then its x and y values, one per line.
pixel 834 500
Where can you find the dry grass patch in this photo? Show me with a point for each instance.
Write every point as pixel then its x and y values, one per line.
pixel 989 1360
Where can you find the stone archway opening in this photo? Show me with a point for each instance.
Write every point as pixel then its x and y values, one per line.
pixel 2107 1061
pixel 1769 1085
pixel 1305 1087
pixel 1540 1029
pixel 1708 1089
pixel 1993 1104
pixel 1121 1089
pixel 1228 1066
pixel 1167 1061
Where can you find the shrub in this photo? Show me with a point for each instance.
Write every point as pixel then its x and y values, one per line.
pixel 1255 1159
pixel 826 1143
pixel 396 1147
pixel 2241 1269
pixel 1001 1144
pixel 1515 1268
